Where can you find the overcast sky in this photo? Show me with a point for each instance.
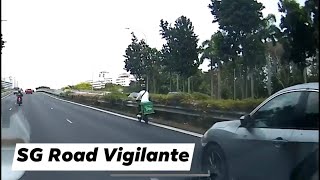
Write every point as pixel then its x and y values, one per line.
pixel 62 42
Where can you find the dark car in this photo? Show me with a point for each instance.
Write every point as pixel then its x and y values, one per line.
pixel 28 91
pixel 274 141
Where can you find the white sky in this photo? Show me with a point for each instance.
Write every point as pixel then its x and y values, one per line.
pixel 62 42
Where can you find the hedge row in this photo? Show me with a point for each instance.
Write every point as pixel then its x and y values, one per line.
pixel 194 101
pixel 203 101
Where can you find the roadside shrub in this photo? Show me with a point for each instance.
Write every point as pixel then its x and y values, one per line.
pixel 115 97
pixel 199 96
pixel 245 105
pixel 179 98
pixel 195 101
pixel 159 98
pixel 65 93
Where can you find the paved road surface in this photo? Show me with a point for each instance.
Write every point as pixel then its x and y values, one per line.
pixel 52 121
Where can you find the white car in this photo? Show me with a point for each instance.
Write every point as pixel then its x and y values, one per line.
pixel 278 140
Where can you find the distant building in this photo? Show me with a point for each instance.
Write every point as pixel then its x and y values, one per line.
pixel 96 84
pixel 6 85
pixel 103 77
pixel 101 80
pixel 124 79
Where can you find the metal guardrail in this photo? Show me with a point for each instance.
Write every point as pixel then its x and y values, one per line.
pixel 223 116
pixel 215 114
pixel 50 91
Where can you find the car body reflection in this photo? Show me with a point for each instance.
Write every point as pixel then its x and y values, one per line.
pixel 14 129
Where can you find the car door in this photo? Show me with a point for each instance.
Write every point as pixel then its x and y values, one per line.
pixel 263 145
pixel 304 142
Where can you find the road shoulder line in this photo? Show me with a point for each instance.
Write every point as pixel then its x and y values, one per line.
pixel 131 118
pixel 5 96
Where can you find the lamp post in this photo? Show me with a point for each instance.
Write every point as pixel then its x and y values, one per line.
pixel 145 38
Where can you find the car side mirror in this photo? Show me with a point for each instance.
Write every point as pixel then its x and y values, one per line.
pixel 245 120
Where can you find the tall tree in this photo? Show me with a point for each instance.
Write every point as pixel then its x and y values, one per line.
pixel 298 34
pixel 133 59
pixel 213 50
pixel 241 20
pixel 312 8
pixel 153 62
pixel 143 62
pixel 181 50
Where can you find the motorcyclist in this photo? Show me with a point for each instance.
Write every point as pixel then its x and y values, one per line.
pixel 19 94
pixel 143 97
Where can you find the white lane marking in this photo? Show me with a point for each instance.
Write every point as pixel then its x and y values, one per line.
pixel 131 118
pixel 154 179
pixel 69 121
pixel 10 109
pixel 6 96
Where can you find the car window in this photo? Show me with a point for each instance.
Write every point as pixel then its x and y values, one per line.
pixel 311 115
pixel 280 112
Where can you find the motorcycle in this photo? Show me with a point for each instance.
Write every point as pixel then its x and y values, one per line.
pixel 146 109
pixel 19 100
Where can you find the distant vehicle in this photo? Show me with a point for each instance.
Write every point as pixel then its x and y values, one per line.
pixel 270 142
pixel 28 91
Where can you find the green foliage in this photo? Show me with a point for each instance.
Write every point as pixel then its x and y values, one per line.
pixel 133 58
pixel 66 88
pixel 239 52
pixel 230 105
pixel 230 15
pixel 159 98
pixel 200 96
pixel 298 33
pixel 179 98
pixel 181 49
pixel 115 97
pixel 113 88
pixel 83 86
pixel 134 86
pixel 143 62
pixel 203 101
pixel 312 9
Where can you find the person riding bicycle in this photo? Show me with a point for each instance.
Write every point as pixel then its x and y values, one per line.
pixel 143 97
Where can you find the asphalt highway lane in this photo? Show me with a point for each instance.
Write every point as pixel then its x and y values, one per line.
pixel 49 120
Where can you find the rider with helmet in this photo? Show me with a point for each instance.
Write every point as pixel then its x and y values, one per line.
pixel 19 95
